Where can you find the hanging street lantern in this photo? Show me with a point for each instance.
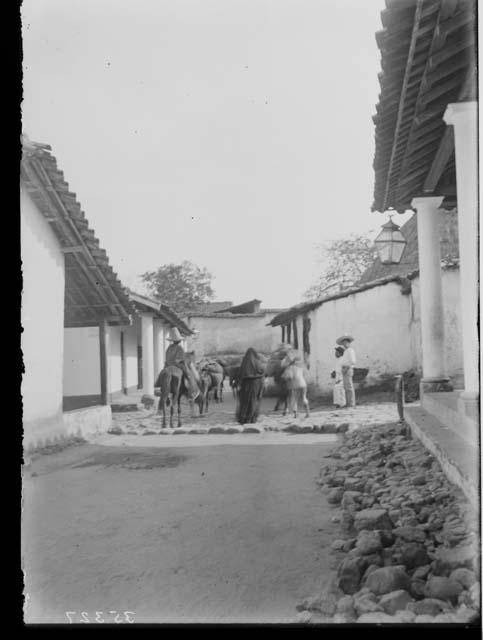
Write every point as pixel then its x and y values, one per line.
pixel 390 243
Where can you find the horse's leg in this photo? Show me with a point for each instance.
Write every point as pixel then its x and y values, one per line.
pixel 164 412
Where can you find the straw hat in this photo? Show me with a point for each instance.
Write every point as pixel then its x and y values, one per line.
pixel 174 335
pixel 345 337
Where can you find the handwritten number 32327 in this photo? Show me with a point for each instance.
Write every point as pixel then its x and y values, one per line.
pixel 101 617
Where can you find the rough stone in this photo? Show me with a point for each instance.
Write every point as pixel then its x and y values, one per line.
pixel 419 480
pixel 366 603
pixel 354 484
pixel 428 606
pixel 216 430
pixel 376 618
pixel 475 594
pixel 351 499
pixel 465 577
pixel 387 579
pixel 406 616
pixel 345 606
pixel 349 574
pixel 447 560
pixel 409 534
pixel 335 496
pixel 395 601
pixel 349 544
pixel 368 542
pixel 414 555
pixel 416 588
pixel 296 428
pixel 248 430
pixel 421 572
pixel 443 589
pixel 338 545
pixel 325 604
pixel 372 519
pixel 387 538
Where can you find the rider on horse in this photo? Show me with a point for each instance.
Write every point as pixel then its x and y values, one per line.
pixel 175 357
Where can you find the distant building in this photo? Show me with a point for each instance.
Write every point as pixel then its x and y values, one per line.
pixel 231 330
pixel 382 311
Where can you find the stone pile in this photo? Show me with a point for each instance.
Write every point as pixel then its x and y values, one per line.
pixel 409 544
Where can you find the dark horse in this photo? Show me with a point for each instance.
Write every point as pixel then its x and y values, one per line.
pixel 173 387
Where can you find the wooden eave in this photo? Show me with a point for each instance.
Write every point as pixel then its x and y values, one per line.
pixel 412 147
pixel 93 291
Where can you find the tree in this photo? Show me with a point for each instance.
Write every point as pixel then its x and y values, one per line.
pixel 181 286
pixel 343 262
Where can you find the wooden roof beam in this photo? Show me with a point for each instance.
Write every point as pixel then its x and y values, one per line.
pixel 76 232
pixel 451 50
pixel 443 154
pixel 409 62
pixel 440 90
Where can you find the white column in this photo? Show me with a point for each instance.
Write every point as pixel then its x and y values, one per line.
pixel 431 293
pixel 158 339
pixel 463 117
pixel 148 354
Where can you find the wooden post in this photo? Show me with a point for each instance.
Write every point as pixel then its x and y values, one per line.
pixel 103 342
pixel 295 334
pixel 283 333
pixel 400 397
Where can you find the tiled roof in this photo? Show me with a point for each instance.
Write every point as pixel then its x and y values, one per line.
pixel 428 60
pixel 92 289
pixel 162 310
pixel 305 307
pixel 212 307
pixel 252 306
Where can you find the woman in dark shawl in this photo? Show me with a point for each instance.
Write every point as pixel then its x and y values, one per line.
pixel 252 370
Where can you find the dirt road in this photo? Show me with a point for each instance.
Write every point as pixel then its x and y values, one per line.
pixel 232 533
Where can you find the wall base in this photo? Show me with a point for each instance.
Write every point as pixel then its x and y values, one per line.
pixel 458 458
pixel 434 385
pixel 63 427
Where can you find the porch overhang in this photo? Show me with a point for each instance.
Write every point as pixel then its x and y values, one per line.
pixel 428 60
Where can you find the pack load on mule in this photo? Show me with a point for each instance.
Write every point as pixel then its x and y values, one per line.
pixel 214 370
pixel 287 368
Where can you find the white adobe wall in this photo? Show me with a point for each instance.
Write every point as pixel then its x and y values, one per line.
pixel 231 334
pixel 82 368
pixel 42 320
pixel 378 319
pixel 131 354
pixel 114 357
pixel 386 326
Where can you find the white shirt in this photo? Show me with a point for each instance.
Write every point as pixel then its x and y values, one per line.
pixel 348 358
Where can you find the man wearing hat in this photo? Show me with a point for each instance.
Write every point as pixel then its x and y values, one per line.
pixel 175 357
pixel 347 364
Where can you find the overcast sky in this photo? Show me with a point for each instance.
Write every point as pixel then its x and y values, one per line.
pixel 233 133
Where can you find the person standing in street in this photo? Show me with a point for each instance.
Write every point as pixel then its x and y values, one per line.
pixel 338 392
pixel 348 362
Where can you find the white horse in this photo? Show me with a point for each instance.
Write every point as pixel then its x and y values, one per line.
pixel 295 383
